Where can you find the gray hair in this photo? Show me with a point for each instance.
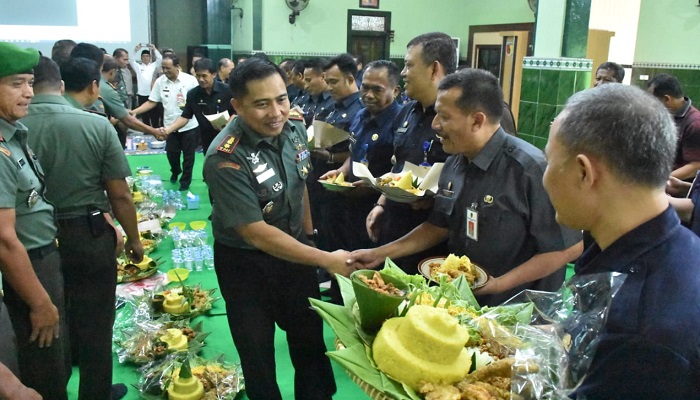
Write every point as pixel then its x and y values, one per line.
pixel 626 127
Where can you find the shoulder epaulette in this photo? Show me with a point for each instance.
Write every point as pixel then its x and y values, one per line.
pixel 229 143
pixel 5 151
pixel 296 115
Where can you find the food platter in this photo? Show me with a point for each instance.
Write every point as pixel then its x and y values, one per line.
pixel 424 268
pixel 129 272
pixel 334 187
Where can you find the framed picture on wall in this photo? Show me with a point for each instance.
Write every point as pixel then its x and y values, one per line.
pixel 369 3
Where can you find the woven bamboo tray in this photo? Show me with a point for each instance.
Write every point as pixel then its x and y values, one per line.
pixel 371 391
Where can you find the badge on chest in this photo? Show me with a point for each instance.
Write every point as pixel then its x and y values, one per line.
pixel 472 223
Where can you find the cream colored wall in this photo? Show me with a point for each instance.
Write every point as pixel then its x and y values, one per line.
pixel 622 18
pixel 322 26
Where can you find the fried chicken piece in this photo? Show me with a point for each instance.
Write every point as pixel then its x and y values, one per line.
pixel 439 392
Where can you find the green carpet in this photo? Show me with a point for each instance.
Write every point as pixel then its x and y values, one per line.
pixel 219 342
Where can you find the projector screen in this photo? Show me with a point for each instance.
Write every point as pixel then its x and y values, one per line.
pixel 109 24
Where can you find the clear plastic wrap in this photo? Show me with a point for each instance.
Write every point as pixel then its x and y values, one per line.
pixel 221 380
pixel 560 341
pixel 143 342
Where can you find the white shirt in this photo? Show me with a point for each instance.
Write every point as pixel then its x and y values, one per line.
pixel 173 95
pixel 144 74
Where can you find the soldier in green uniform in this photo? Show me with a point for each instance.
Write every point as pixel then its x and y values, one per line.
pixel 110 102
pixel 255 170
pixel 76 186
pixel 29 262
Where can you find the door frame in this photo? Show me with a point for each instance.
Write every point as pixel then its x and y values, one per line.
pixel 385 33
pixel 526 26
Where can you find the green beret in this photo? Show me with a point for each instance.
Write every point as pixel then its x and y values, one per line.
pixel 15 60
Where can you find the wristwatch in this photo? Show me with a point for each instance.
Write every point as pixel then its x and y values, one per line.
pixel 313 235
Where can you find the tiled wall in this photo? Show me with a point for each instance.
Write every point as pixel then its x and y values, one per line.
pixel 687 74
pixel 546 85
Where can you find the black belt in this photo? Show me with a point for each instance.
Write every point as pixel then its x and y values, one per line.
pixel 76 222
pixel 43 251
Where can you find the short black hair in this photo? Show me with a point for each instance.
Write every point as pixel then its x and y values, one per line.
pixel 204 64
pixel 316 64
pixel 480 92
pixel 109 64
pixel 665 85
pixel 118 52
pixel 60 52
pixel 439 47
pixel 47 75
pixel 172 57
pixel 391 69
pixel 617 70
pixel 145 51
pixel 78 73
pixel 288 64
pixel 252 69
pixel 345 62
pixel 299 66
pixel 198 53
pixel 89 51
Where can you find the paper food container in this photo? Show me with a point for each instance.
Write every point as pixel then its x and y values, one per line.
pixel 326 135
pixel 428 178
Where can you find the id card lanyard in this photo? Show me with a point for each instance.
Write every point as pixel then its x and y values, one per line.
pixel 472 225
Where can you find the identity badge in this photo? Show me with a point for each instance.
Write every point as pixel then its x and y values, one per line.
pixel 472 223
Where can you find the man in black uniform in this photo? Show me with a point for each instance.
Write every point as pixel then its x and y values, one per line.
pixel 293 91
pixel 297 78
pixel 255 171
pixel 209 98
pixel 429 58
pixel 319 97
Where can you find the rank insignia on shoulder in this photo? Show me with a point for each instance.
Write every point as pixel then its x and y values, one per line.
pixel 295 115
pixel 5 151
pixel 228 164
pixel 228 144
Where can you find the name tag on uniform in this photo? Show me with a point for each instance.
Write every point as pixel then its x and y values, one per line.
pixel 265 175
pixel 472 224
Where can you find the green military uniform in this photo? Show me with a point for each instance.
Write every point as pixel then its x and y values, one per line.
pixel 22 188
pixel 111 102
pixel 75 185
pixel 45 369
pixel 99 157
pixel 261 179
pixel 256 179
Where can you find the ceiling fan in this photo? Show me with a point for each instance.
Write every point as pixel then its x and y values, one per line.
pixel 297 6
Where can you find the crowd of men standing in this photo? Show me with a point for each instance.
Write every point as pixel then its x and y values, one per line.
pixel 514 212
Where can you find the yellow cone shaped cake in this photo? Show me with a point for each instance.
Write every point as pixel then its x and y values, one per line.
pixel 425 346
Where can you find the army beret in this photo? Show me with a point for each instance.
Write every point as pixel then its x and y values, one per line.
pixel 15 60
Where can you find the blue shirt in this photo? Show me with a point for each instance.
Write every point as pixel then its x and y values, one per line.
pixel 650 345
pixel 372 139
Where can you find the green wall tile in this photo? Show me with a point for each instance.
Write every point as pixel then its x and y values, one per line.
pixel 526 117
pixel 530 85
pixel 545 115
pixel 583 80
pixel 549 87
pixel 567 79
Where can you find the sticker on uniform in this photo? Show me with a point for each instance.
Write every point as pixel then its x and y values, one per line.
pixel 472 224
pixel 277 186
pixel 265 175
